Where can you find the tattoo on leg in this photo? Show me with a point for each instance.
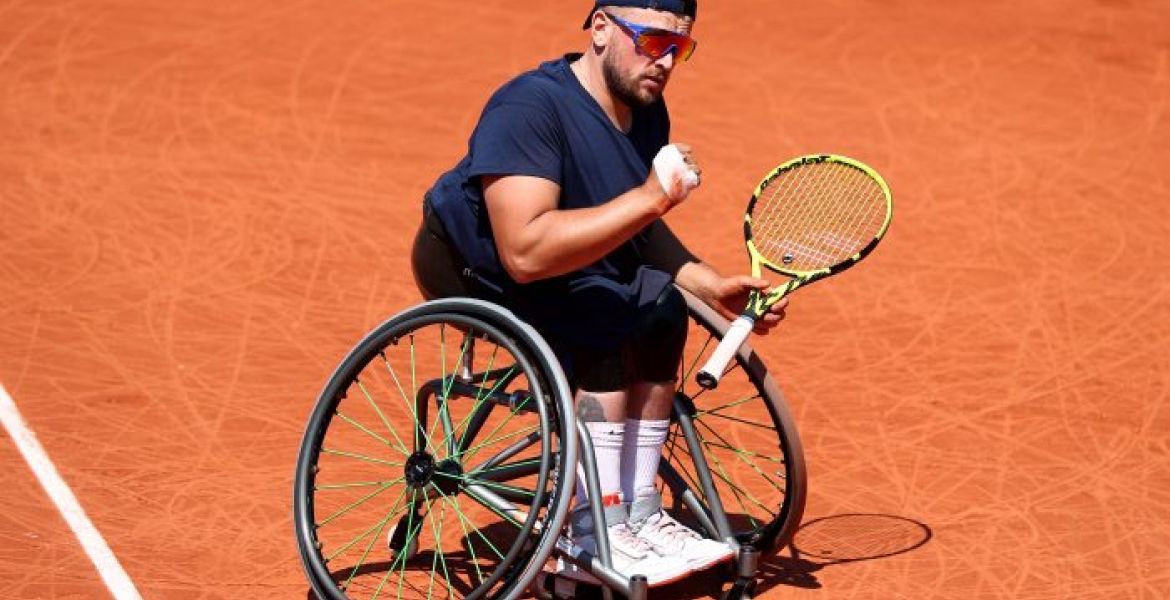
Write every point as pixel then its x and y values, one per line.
pixel 589 409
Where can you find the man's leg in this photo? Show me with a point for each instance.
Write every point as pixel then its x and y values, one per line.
pixel 653 354
pixel 646 428
pixel 647 421
pixel 656 351
pixel 604 416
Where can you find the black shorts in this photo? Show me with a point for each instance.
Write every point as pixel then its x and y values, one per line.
pixel 439 271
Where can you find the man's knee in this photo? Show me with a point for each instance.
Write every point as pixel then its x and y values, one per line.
pixel 599 371
pixel 659 338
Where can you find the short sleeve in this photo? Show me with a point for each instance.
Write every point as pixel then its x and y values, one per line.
pixel 517 138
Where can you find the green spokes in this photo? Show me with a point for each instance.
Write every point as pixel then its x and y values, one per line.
pixel 740 493
pixel 526 464
pixel 437 530
pixel 682 467
pixel 358 502
pixel 471 452
pixel 752 465
pixel 482 395
pixel 747 453
pixel 492 506
pixel 408 401
pixel 718 409
pixel 365 430
pixel 744 422
pixel 362 457
pixel 443 397
pixel 355 484
pixel 411 531
pixel 401 447
pixel 517 491
pixel 379 526
pixel 690 368
pixel 463 523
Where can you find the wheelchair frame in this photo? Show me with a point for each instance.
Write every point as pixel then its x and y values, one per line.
pixel 554 405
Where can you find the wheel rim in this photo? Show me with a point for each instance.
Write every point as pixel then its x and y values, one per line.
pixel 472 507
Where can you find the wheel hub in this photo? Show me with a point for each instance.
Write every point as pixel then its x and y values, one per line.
pixel 450 477
pixel 421 470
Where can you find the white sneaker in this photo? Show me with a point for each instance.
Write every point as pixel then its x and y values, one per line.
pixel 668 537
pixel 630 554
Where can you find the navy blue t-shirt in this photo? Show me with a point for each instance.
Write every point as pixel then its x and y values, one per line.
pixel 545 124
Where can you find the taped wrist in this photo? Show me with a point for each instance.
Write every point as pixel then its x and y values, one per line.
pixel 671 168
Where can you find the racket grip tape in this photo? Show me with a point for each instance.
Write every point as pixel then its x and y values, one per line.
pixel 736 335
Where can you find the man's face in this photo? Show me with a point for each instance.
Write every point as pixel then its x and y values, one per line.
pixel 634 78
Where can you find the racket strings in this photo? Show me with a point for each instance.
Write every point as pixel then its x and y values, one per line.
pixel 783 214
pixel 817 215
pixel 825 208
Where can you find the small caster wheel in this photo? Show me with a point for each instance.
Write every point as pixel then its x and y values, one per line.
pixel 543 586
pixel 548 586
pixel 396 538
pixel 741 590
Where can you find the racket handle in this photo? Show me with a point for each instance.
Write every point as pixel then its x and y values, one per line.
pixel 736 335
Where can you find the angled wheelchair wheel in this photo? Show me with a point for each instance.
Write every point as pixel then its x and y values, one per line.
pixel 437 462
pixel 752 465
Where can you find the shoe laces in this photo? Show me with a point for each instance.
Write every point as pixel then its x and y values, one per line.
pixel 622 537
pixel 665 530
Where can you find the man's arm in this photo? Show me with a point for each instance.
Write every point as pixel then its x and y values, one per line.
pixel 664 251
pixel 536 240
pixel 727 295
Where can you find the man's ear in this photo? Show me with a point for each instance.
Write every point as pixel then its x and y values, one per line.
pixel 599 30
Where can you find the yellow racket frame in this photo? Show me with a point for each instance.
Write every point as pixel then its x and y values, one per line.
pixel 758 304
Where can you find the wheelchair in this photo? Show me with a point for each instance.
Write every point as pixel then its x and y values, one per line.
pixel 440 461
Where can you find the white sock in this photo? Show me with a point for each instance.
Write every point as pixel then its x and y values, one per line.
pixel 641 450
pixel 607 449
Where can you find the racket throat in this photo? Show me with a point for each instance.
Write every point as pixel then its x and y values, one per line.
pixel 759 303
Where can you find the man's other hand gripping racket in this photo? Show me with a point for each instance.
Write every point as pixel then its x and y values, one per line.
pixel 809 218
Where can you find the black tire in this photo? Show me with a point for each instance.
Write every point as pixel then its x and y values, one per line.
pixel 749 441
pixel 386 465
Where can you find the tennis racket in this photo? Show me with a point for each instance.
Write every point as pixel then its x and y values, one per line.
pixel 811 217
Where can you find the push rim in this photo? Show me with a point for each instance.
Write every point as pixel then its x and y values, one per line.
pixel 526 463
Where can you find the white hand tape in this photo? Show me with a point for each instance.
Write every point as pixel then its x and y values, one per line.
pixel 671 167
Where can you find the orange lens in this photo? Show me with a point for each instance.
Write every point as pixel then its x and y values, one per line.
pixel 658 45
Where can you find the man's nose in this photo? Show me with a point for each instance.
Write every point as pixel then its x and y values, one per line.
pixel 666 61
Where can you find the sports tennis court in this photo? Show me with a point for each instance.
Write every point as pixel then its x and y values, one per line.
pixel 205 205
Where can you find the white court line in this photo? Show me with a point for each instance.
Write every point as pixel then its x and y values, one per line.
pixel 95 546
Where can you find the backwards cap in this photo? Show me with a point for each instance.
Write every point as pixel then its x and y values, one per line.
pixel 686 8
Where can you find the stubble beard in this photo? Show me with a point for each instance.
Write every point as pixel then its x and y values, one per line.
pixel 625 90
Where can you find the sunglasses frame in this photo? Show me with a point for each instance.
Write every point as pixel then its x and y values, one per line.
pixel 638 31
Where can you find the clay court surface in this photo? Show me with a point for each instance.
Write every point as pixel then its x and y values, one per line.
pixel 206 204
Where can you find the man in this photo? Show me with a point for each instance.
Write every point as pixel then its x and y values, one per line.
pixel 555 212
